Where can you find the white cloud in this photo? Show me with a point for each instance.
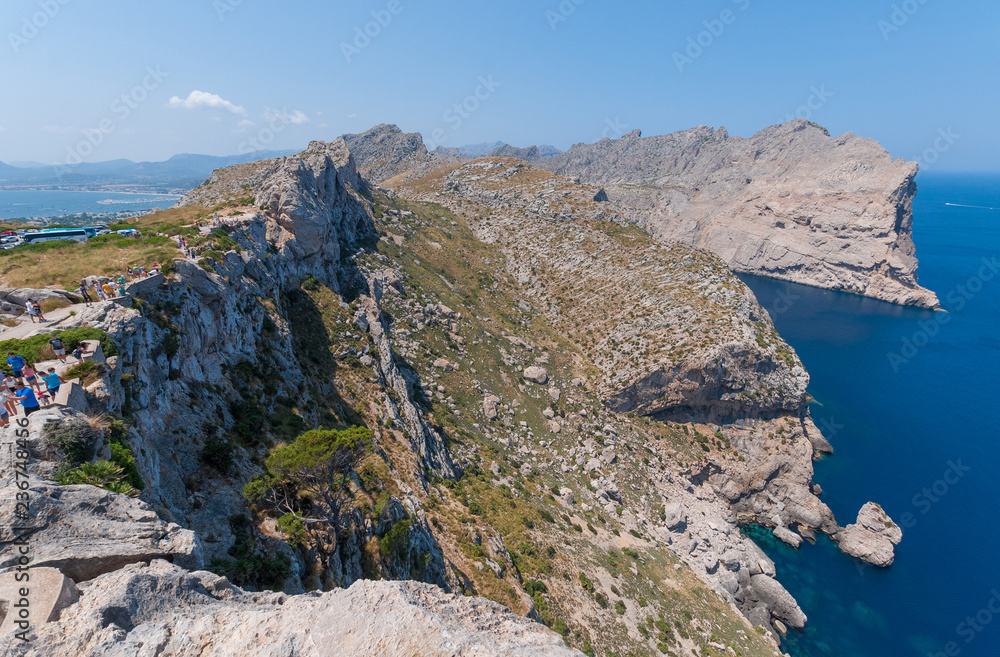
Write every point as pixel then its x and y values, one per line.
pixel 352 116
pixel 59 129
pixel 204 100
pixel 297 117
pixel 243 127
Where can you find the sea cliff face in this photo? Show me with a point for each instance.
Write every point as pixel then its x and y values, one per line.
pixel 790 202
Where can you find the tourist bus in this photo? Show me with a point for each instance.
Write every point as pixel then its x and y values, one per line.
pixel 52 234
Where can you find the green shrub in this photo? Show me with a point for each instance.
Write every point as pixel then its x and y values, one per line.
pixel 292 526
pixel 36 348
pixel 76 439
pixel 218 453
pixel 395 545
pixel 601 600
pixel 586 583
pixel 620 608
pixel 102 474
pixel 545 515
pixel 533 586
pixel 248 567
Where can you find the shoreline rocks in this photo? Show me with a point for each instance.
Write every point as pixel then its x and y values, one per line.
pixel 872 538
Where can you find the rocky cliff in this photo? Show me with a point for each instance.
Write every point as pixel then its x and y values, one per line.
pixel 566 417
pixel 790 202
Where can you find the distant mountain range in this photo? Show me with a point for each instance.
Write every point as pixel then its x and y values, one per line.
pixel 497 148
pixel 176 175
pixel 181 173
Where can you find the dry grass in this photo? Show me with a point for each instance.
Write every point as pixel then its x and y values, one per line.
pixel 173 221
pixel 67 263
pixel 48 305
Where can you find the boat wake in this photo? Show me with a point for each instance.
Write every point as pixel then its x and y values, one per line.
pixel 977 207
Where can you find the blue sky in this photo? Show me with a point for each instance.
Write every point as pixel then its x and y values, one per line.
pixel 275 75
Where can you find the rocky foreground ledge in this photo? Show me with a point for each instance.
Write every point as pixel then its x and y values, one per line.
pixel 161 609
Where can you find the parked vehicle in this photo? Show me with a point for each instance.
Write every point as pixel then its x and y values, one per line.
pixel 78 234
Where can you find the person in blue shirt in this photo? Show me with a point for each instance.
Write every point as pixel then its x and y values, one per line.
pixel 52 381
pixel 27 398
pixel 16 363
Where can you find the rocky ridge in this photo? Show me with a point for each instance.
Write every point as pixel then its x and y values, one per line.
pixel 789 202
pixel 613 474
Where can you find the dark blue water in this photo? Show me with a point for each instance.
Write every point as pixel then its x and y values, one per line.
pixel 25 204
pixel 910 400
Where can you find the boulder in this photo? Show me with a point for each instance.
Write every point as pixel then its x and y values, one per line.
pixel 787 536
pixel 873 538
pixel 536 374
pixel 783 606
pixel 674 518
pixel 444 364
pixel 490 406
pixel 85 531
pixel 41 592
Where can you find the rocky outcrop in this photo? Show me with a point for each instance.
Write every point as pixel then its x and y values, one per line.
pixel 873 538
pixel 167 610
pixel 790 202
pixel 386 151
pixel 85 531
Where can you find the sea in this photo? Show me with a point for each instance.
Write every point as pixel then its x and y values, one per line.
pixel 910 400
pixel 16 204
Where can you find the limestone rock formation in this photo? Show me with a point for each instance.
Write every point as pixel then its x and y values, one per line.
pixel 85 531
pixel 167 610
pixel 386 151
pixel 873 538
pixel 790 202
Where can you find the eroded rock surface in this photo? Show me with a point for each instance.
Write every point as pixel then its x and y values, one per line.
pixel 873 538
pixel 790 202
pixel 162 609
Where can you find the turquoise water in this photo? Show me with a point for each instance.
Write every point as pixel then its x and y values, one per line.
pixel 23 204
pixel 909 399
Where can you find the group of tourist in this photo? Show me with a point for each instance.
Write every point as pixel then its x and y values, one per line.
pixel 114 288
pixel 189 251
pixel 23 384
